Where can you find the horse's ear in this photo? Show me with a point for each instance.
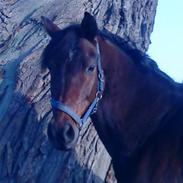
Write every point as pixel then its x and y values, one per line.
pixel 49 26
pixel 89 26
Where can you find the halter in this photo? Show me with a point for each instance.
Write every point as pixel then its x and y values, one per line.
pixel 93 106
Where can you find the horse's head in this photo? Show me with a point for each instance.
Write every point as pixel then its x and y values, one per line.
pixel 73 59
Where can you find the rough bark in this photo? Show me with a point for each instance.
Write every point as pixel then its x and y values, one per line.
pixel 26 156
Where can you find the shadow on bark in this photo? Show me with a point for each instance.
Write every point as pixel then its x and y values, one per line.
pixel 26 155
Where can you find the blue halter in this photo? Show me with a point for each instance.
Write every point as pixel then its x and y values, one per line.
pixel 93 106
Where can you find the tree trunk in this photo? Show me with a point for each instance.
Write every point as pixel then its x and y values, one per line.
pixel 26 156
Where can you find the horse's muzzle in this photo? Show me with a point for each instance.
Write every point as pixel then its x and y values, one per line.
pixel 63 138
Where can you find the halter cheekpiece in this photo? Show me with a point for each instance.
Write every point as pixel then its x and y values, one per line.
pixel 93 106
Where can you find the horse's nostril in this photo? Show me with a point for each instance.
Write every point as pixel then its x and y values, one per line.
pixel 68 133
pixel 63 138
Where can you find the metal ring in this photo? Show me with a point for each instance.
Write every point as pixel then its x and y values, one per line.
pixel 99 95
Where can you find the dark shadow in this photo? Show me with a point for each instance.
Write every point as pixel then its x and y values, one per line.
pixel 26 155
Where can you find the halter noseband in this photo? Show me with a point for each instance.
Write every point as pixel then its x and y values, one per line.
pixel 93 106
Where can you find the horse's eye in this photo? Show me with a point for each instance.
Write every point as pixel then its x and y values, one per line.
pixel 90 69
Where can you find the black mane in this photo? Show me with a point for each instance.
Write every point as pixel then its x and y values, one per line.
pixel 49 51
pixel 141 59
pixel 137 55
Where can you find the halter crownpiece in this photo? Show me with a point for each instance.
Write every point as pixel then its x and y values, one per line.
pixel 93 106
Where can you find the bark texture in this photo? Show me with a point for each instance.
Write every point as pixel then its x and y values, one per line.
pixel 26 156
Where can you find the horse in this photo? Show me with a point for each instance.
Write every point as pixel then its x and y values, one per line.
pixel 136 108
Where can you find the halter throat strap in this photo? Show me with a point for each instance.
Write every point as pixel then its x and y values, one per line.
pixel 93 106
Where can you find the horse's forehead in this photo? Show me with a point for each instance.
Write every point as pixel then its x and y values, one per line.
pixel 86 45
pixel 70 39
pixel 69 43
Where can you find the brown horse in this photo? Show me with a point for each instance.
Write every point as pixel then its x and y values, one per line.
pixel 136 109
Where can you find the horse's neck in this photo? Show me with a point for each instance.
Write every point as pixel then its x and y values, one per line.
pixel 134 102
